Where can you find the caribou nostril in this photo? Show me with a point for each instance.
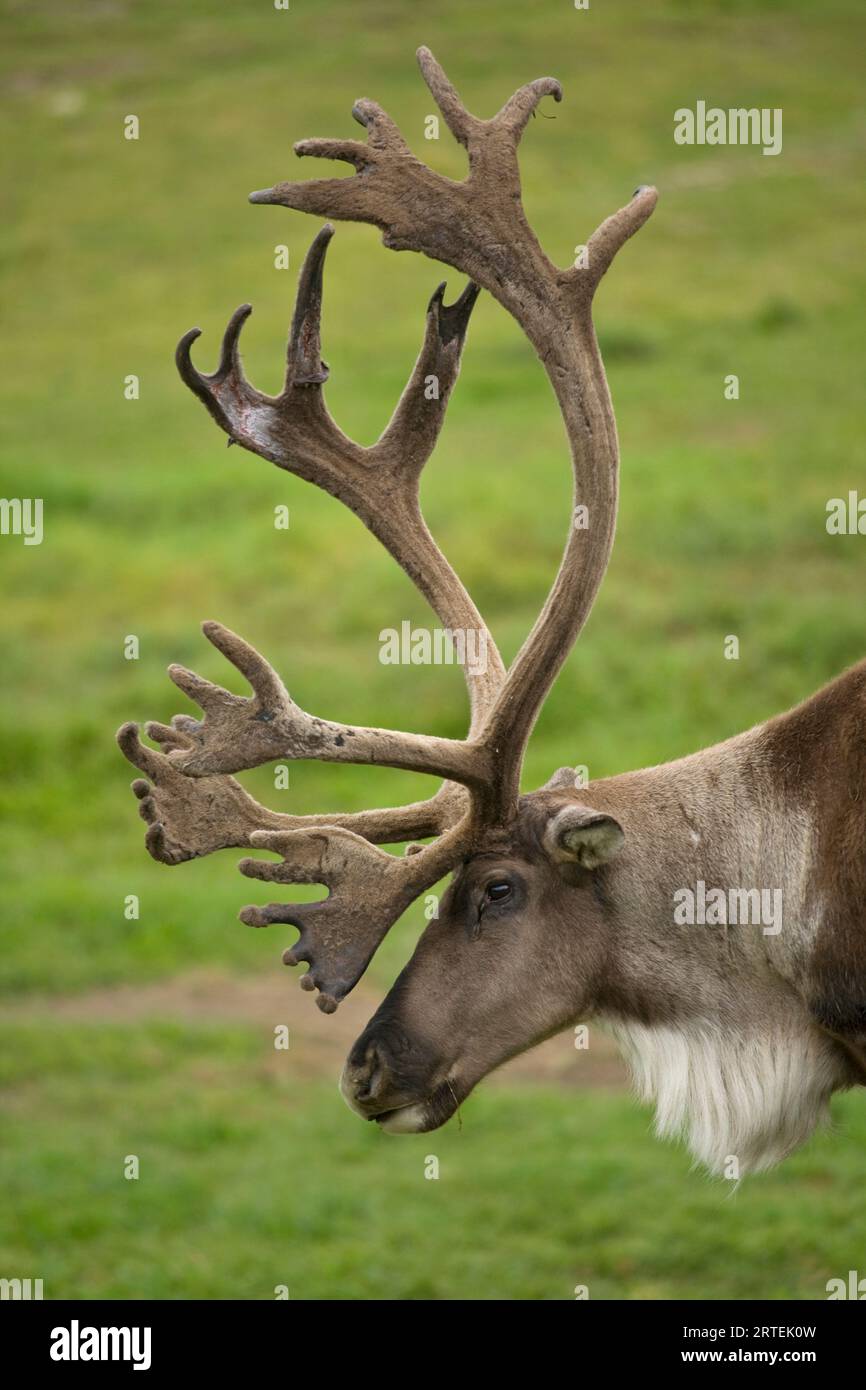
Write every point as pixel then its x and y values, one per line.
pixel 371 1075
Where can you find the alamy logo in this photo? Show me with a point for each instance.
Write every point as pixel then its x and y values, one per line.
pixel 77 1343
pixel 846 516
pixel 736 126
pixel 442 647
pixel 20 1289
pixel 22 516
pixel 732 907
pixel 854 1287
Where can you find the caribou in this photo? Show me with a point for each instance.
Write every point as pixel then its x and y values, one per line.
pixel 561 906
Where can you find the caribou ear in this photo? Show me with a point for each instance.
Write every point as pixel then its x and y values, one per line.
pixel 563 777
pixel 581 835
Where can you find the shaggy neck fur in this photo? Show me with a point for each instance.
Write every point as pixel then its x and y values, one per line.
pixel 731 1097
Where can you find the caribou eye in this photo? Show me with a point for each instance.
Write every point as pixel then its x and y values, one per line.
pixel 498 892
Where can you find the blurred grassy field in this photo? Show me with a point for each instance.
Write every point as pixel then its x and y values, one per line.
pixel 110 249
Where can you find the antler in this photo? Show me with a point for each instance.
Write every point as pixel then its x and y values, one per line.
pixel 479 227
pixel 364 883
pixel 380 484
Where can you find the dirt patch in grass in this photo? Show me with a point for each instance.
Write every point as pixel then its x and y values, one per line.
pixel 320 1042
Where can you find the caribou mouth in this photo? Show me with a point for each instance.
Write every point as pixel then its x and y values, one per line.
pixel 419 1117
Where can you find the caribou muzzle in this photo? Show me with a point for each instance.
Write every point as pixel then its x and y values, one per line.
pixel 397 1082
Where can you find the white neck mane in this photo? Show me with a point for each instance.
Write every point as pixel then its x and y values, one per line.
pixel 749 1099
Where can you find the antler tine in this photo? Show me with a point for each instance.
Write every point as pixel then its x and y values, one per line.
pixel 607 240
pixel 382 132
pixel 515 114
pixel 408 440
pixel 205 385
pixel 462 124
pixel 304 358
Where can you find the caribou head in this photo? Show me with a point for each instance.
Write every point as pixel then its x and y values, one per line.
pixel 515 953
pixel 561 904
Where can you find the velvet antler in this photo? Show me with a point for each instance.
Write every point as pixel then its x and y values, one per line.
pixel 479 227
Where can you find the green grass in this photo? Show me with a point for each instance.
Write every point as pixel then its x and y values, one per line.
pixel 251 1176
pixel 111 249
